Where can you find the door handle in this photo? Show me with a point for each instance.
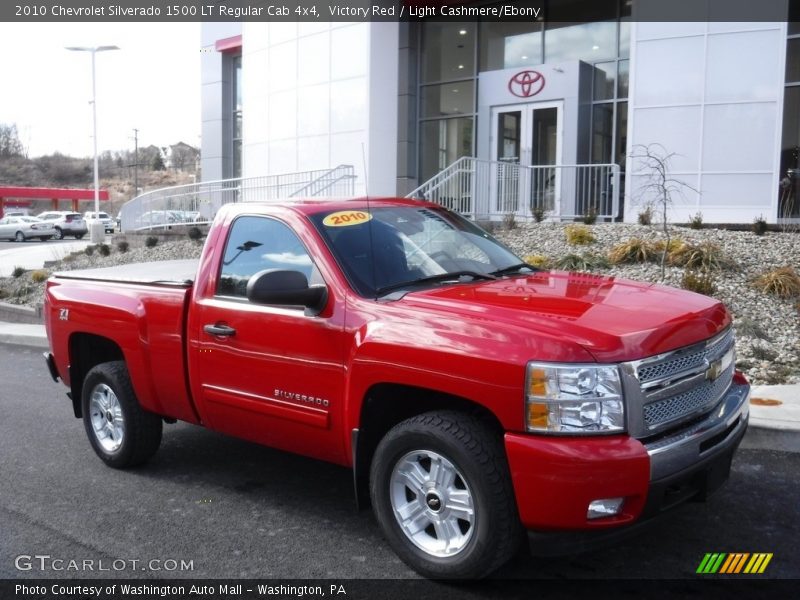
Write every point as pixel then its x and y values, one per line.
pixel 220 330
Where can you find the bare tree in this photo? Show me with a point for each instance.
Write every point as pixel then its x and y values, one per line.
pixel 660 187
pixel 10 145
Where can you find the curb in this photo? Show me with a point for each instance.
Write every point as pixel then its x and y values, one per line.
pixel 21 339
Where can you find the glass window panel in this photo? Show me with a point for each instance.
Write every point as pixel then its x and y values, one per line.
pixel 589 42
pixel 509 45
pixel 237 83
pixel 794 17
pixel 622 81
pixel 508 132
pixel 443 142
pixel 602 132
pixel 621 146
pixel 624 39
pixel 604 80
pixel 448 51
pixel 237 124
pixel 237 158
pixel 258 243
pixel 793 60
pixel 448 99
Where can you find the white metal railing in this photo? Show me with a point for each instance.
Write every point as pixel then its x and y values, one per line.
pixel 199 202
pixel 486 189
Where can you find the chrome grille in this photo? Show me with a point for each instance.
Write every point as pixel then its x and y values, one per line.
pixel 679 361
pixel 694 401
pixel 671 367
pixel 679 385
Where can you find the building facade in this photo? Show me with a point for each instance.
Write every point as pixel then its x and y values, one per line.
pixel 401 102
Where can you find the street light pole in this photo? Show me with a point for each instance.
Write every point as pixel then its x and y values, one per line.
pixel 97 227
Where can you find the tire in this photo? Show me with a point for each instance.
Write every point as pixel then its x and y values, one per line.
pixel 120 432
pixel 20 237
pixel 59 235
pixel 442 494
pixel 79 236
pixel 44 238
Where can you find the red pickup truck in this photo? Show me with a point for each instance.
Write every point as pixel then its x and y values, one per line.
pixel 473 396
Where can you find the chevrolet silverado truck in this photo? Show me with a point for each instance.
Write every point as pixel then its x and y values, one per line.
pixel 473 396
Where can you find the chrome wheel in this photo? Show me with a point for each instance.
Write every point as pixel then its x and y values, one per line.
pixel 105 413
pixel 432 503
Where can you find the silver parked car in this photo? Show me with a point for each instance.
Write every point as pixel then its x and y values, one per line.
pixel 66 223
pixel 25 228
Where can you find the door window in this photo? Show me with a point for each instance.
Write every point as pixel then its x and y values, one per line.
pixel 256 244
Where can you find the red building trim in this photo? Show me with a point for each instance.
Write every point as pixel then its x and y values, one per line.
pixel 54 194
pixel 231 44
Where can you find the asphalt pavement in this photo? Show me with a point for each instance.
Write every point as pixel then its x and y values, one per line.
pixel 231 509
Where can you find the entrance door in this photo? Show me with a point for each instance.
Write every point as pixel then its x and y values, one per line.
pixel 526 144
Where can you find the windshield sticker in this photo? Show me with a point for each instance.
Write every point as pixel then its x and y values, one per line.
pixel 344 218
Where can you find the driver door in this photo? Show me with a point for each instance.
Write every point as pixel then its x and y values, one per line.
pixel 270 374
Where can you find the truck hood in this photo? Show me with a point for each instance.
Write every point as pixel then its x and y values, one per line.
pixel 613 319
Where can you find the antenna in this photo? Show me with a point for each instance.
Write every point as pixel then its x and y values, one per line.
pixel 369 222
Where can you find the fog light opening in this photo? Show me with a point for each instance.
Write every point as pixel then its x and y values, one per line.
pixel 606 507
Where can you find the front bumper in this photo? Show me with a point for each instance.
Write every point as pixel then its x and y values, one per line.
pixel 555 478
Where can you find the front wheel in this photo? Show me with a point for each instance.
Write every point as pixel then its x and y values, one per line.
pixel 442 494
pixel 20 237
pixel 120 432
pixel 59 235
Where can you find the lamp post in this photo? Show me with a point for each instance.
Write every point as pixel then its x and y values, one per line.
pixel 97 228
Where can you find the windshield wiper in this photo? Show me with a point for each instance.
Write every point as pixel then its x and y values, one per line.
pixel 455 275
pixel 512 269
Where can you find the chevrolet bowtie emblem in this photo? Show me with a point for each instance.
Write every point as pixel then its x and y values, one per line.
pixel 714 370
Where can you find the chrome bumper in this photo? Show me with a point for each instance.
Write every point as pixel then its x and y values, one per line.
pixel 716 434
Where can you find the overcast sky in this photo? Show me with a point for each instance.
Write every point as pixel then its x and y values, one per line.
pixel 152 83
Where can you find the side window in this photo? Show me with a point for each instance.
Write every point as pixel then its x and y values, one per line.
pixel 259 243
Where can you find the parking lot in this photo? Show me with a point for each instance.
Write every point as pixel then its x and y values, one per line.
pixel 233 509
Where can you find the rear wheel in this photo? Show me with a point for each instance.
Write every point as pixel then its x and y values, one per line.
pixel 78 236
pixel 442 494
pixel 120 432
pixel 20 237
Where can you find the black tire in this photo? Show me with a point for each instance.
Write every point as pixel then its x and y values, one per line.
pixel 477 458
pixel 19 236
pixel 79 236
pixel 59 235
pixel 141 430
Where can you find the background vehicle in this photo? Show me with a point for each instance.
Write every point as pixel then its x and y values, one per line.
pixel 25 228
pixel 65 223
pixel 108 222
pixel 473 396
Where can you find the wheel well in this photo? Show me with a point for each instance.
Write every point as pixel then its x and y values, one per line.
pixel 86 351
pixel 386 405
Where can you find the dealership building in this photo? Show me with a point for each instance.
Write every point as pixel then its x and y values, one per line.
pixel 492 117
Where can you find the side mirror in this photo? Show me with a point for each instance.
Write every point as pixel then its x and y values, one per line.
pixel 286 288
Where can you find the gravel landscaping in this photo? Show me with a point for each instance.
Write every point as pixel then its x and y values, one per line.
pixel 767 327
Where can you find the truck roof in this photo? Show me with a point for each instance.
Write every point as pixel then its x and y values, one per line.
pixel 310 206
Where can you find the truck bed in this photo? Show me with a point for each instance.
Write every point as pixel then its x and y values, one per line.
pixel 179 273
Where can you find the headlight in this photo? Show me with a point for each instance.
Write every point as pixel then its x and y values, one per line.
pixel 573 399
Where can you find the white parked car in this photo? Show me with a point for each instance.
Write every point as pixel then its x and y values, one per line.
pixel 25 228
pixel 66 222
pixel 108 222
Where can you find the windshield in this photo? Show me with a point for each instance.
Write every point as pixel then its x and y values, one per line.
pixel 411 247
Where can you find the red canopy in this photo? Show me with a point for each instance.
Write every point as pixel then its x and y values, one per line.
pixel 53 194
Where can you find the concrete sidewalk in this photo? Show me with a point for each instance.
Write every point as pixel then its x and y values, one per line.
pixel 774 408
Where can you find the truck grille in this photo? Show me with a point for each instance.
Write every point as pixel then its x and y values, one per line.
pixel 685 383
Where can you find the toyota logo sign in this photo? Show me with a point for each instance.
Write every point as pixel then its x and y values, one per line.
pixel 526 84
